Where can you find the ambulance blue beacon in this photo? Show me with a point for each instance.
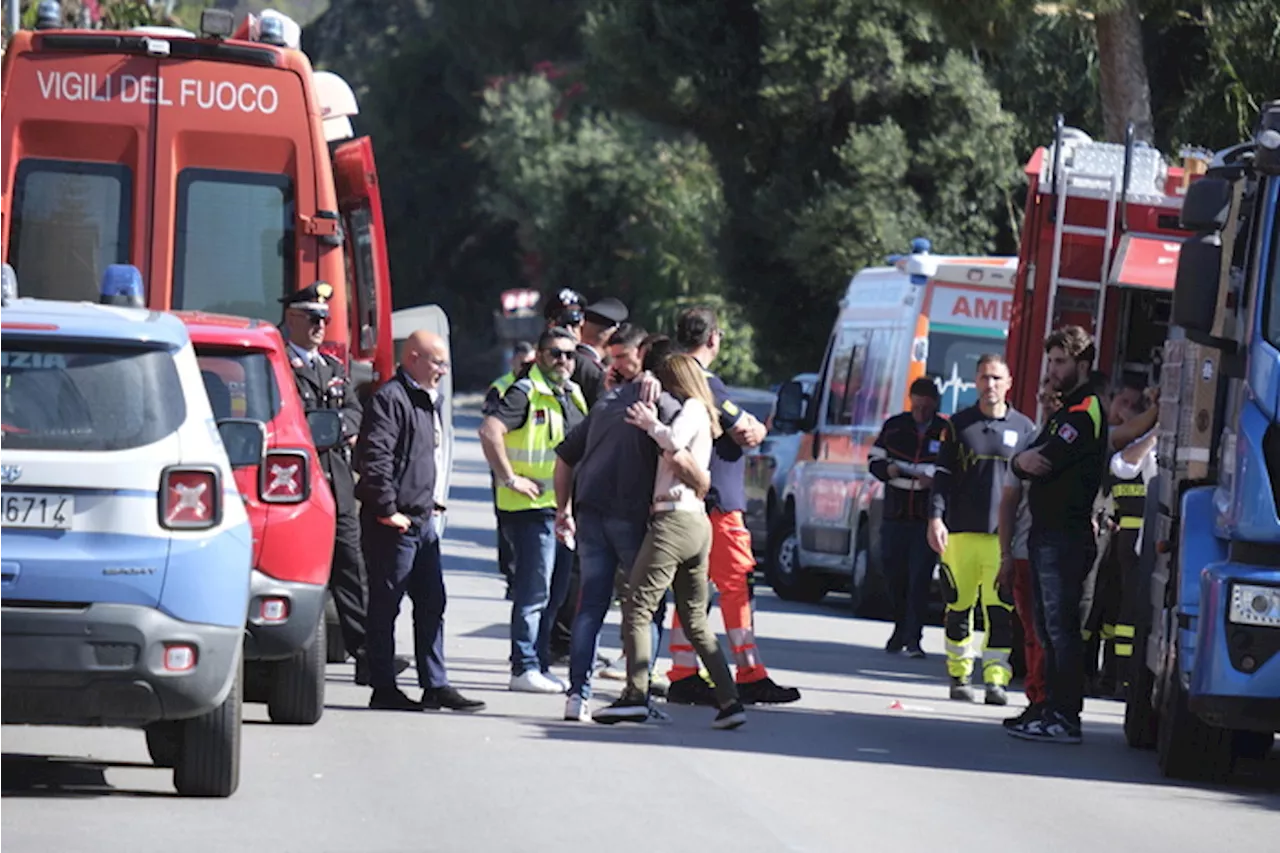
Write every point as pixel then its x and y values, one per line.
pixel 125 545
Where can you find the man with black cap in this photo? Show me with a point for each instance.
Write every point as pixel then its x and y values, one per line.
pixel 323 384
pixel 599 320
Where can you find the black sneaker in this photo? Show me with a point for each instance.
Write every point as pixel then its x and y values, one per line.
pixel 960 689
pixel 1050 727
pixel 730 717
pixel 996 695
pixel 691 690
pixel 435 698
pixel 766 691
pixel 627 709
pixel 1029 713
pixel 392 699
pixel 916 653
pixel 894 645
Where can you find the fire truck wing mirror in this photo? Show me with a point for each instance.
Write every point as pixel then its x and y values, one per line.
pixel 790 407
pixel 1267 157
pixel 1195 290
pixel 245 440
pixel 326 428
pixel 1207 205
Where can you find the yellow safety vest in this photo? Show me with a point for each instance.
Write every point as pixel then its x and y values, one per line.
pixel 531 449
pixel 503 382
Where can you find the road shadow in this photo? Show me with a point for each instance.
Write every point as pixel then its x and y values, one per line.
pixel 909 740
pixel 25 775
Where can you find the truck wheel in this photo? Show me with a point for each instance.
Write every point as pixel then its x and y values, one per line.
pixel 1252 745
pixel 1140 719
pixel 297 684
pixel 785 575
pixel 208 763
pixel 164 742
pixel 1187 746
pixel 335 649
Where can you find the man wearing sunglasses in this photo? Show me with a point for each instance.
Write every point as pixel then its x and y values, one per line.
pixel 323 384
pixel 519 438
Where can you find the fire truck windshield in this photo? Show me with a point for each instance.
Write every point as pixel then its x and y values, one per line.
pixel 953 361
pixel 70 222
pixel 233 242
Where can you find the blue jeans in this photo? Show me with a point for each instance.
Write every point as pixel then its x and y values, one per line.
pixel 605 544
pixel 399 564
pixel 542 569
pixel 908 563
pixel 1060 562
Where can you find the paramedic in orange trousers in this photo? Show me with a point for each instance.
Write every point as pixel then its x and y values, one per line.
pixel 904 457
pixel 731 560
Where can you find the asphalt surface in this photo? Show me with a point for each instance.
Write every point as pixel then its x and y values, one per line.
pixel 873 757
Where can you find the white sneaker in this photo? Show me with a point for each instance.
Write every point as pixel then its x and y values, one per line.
pixel 555 679
pixel 577 709
pixel 533 681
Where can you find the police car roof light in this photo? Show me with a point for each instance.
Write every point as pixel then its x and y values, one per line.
pixel 122 285
pixel 48 15
pixel 8 284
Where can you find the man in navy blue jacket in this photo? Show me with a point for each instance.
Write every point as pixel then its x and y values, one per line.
pixel 402 499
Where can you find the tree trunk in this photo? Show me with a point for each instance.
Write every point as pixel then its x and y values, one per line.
pixel 1126 92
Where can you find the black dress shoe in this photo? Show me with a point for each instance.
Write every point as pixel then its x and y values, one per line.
pixel 435 698
pixel 392 699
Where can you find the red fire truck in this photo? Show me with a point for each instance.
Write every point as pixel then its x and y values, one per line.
pixel 1099 249
pixel 221 165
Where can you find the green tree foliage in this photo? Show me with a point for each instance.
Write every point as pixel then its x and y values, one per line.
pixel 840 130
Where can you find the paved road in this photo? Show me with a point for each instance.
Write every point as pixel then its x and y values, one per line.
pixel 873 757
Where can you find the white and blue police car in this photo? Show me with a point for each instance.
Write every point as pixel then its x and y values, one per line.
pixel 125 546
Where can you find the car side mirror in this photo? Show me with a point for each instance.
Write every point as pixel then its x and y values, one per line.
pixel 326 429
pixel 790 408
pixel 245 440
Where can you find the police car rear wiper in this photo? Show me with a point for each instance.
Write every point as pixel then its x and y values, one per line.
pixel 181 48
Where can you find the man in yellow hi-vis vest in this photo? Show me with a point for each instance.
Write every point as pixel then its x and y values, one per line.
pixel 522 355
pixel 519 438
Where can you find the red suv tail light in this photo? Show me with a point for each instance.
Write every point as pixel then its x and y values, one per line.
pixel 190 498
pixel 283 477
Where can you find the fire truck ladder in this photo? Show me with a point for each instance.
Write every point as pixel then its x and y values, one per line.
pixel 1099 169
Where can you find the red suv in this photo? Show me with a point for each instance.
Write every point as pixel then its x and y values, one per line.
pixel 247 376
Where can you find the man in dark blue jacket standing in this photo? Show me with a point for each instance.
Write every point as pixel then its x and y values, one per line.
pixel 402 498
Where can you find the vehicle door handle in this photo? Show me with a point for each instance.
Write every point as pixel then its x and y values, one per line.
pixel 9 572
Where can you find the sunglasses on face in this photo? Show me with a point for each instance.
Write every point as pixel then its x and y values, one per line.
pixel 559 354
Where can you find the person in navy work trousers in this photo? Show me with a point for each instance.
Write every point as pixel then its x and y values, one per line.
pixel 401 490
pixel 904 457
pixel 1064 466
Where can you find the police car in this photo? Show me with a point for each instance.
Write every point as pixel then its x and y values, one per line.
pixel 125 544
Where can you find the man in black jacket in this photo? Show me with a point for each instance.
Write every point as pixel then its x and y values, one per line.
pixel 1064 466
pixel 904 457
pixel 402 497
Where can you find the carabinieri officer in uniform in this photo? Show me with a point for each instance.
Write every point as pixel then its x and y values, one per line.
pixel 323 384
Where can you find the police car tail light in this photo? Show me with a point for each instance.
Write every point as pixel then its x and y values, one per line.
pixel 283 477
pixel 190 498
pixel 179 657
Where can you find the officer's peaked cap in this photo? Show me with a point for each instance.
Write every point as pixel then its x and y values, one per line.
pixel 606 312
pixel 314 298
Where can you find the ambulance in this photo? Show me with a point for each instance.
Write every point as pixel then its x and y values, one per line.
pixel 221 165
pixel 925 315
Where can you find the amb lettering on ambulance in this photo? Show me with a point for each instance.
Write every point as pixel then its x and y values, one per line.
pixel 888 333
pixel 225 169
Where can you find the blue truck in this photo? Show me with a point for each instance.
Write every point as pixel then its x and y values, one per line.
pixel 1205 691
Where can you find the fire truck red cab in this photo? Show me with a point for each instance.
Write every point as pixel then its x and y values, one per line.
pixel 247 376
pixel 224 168
pixel 1099 249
